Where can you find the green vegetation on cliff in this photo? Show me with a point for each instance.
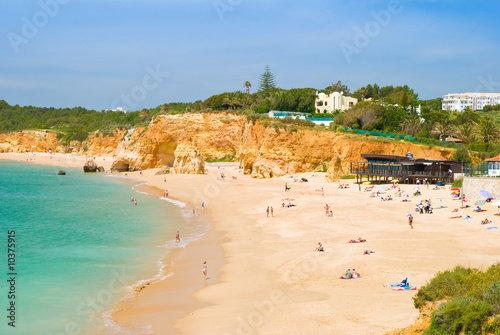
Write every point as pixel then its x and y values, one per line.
pixel 472 301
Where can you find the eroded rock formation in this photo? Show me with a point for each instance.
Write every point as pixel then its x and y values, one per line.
pixel 90 166
pixel 182 143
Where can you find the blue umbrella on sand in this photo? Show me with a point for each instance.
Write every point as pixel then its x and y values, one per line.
pixel 381 188
pixel 485 194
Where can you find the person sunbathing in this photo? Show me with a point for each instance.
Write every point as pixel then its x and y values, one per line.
pixel 359 240
pixel 455 217
pixel 486 221
pixel 347 275
pixel 455 210
pixel 368 252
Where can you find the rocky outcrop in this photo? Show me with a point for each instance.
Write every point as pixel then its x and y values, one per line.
pixel 100 168
pixel 120 165
pixel 61 173
pixel 163 170
pixel 90 166
pixel 30 141
pixel 183 142
pixel 187 159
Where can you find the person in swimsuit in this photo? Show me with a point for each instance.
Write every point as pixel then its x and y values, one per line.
pixel 204 270
pixel 177 238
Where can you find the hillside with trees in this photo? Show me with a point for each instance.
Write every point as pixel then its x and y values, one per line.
pixel 385 109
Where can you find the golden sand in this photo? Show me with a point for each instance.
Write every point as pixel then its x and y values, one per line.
pixel 265 278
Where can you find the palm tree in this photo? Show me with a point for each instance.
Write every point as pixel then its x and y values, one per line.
pixel 487 130
pixel 466 132
pixel 442 128
pixel 247 86
pixel 411 125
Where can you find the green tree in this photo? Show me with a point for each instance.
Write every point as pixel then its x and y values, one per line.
pixel 267 80
pixel 337 87
pixel 443 128
pixel 487 130
pixel 466 132
pixel 411 125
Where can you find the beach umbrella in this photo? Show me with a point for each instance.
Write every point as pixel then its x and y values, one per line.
pixel 480 202
pixel 485 194
pixel 367 183
pixel 455 189
pixel 381 188
pixel 395 181
pixel 416 188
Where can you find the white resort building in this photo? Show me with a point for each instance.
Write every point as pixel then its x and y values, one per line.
pixel 493 166
pixel 459 101
pixel 328 103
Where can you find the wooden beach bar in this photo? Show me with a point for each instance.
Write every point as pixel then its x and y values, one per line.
pixel 405 169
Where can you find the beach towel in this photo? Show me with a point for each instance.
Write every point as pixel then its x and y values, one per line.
pixel 405 288
pixel 492 228
pixel 470 217
pixel 356 242
pixel 351 278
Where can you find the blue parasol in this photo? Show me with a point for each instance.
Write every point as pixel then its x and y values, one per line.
pixel 485 194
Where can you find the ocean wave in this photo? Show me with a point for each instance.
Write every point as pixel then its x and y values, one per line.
pixel 175 202
pixel 114 329
pixel 185 240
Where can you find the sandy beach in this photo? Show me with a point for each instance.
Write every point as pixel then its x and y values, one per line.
pixel 265 278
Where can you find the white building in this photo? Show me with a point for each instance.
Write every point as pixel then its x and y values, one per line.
pixel 328 103
pixel 493 166
pixel 459 101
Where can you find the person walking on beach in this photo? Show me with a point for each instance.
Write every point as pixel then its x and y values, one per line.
pixel 177 237
pixel 327 209
pixel 135 202
pixel 267 211
pixel 322 192
pixel 410 219
pixel 205 270
pixel 272 211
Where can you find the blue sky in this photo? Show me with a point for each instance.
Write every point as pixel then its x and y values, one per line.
pixel 136 54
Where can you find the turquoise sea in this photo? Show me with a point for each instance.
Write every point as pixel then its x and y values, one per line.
pixel 80 245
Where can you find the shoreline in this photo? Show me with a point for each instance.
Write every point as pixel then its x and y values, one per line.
pixel 271 281
pixel 172 267
pixel 132 313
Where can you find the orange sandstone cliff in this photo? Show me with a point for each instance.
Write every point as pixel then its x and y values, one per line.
pixel 184 142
